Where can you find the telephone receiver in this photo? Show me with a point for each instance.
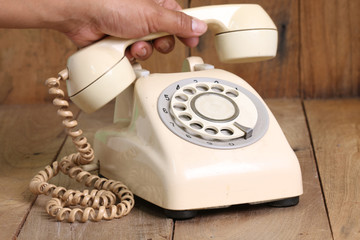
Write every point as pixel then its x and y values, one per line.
pixel 198 139
pixel 100 72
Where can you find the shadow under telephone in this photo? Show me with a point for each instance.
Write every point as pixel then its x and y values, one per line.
pixel 198 139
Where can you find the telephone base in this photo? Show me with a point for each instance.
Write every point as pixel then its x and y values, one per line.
pixel 180 214
pixel 166 162
pixel 188 214
pixel 287 202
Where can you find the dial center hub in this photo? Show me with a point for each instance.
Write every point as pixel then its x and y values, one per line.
pixel 214 107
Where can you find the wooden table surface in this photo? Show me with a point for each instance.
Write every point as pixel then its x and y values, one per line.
pixel 325 134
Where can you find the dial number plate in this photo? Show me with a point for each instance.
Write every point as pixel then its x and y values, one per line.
pixel 213 113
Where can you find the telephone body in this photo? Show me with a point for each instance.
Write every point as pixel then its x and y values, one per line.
pixel 197 139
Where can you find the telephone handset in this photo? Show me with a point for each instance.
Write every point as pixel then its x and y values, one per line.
pixel 98 73
pixel 201 138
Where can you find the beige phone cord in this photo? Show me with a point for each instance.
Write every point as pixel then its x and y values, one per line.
pixel 97 204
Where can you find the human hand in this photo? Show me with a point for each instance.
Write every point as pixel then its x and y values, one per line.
pixel 133 19
pixel 87 21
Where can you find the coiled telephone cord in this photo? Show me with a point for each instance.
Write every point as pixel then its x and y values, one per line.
pixel 97 204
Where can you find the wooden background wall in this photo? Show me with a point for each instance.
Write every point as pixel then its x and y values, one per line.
pixel 318 54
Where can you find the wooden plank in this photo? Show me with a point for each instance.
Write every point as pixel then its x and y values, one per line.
pixel 31 135
pixel 335 130
pixel 144 222
pixel 330 55
pixel 27 58
pixel 279 77
pixel 307 220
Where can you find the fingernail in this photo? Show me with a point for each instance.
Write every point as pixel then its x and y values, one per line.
pixel 142 53
pixel 164 46
pixel 198 26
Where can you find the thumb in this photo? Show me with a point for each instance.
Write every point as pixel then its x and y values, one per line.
pixel 180 24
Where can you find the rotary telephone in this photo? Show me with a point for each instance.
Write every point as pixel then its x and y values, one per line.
pixel 198 139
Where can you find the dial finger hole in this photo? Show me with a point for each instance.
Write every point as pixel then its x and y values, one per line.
pixel 196 125
pixel 217 88
pixel 181 97
pixel 185 117
pixel 227 131
pixel 189 91
pixel 179 107
pixel 211 131
pixel 202 87
pixel 232 93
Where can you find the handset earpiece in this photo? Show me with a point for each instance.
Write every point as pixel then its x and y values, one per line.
pixel 243 32
pixel 98 73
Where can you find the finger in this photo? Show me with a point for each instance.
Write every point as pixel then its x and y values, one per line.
pixel 141 50
pixel 164 44
pixel 81 41
pixel 179 24
pixel 128 54
pixel 190 42
pixel 169 4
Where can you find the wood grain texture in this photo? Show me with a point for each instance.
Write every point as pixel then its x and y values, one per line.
pixel 330 43
pixel 279 77
pixel 142 223
pixel 145 221
pixel 31 135
pixel 335 129
pixel 307 220
pixel 27 59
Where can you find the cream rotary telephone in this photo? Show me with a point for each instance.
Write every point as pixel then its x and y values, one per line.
pixel 198 139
